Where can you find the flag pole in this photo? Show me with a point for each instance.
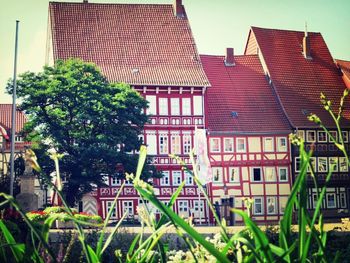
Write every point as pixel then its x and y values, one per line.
pixel 13 128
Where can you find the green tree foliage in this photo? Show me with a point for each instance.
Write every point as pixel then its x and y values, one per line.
pixel 73 108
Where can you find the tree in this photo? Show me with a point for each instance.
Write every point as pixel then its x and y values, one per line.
pixel 73 108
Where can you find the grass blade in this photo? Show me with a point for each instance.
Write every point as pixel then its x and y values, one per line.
pixel 17 249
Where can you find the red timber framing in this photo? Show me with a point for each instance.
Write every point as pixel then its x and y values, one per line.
pixel 258 169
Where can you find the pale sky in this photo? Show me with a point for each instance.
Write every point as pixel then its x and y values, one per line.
pixel 216 24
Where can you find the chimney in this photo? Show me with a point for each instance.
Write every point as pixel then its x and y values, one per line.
pixel 306 45
pixel 85 1
pixel 229 59
pixel 178 9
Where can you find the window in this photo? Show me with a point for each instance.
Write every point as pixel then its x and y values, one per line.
pixel 115 181
pixel 283 174
pixel 183 206
pixel 163 143
pixel 282 144
pixel 228 145
pixel 186 143
pixel 342 199
pixel 268 144
pixel 217 175
pixel 241 146
pixel 345 136
pixel 330 198
pixel 188 178
pixel 186 106
pixel 234 175
pixel 196 206
pixel 258 206
pixel 270 175
pixel 343 165
pixel 322 136
pixel 152 105
pixel 163 106
pixel 283 203
pixel 333 161
pixel 177 178
pixel 334 134
pixel 128 208
pixel 175 144
pixel 297 164
pixel 108 208
pixel 151 144
pixel 311 136
pixel 312 164
pixel 165 179
pixel 322 166
pixel 301 134
pixel 256 174
pixel 175 106
pixel 215 145
pixel 271 205
pixel 314 200
pixel 18 138
pixel 197 105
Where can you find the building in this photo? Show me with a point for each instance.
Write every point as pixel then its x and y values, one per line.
pixel 150 47
pixel 344 66
pixel 247 137
pixel 299 67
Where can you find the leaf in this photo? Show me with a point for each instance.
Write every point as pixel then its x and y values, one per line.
pixel 92 255
pixel 17 249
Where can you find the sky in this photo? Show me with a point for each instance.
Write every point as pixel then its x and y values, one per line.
pixel 216 25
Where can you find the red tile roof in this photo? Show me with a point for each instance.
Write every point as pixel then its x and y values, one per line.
pixel 140 44
pixel 243 89
pixel 6 118
pixel 298 81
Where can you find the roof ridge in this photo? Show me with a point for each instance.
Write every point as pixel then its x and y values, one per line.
pixel 78 3
pixel 286 30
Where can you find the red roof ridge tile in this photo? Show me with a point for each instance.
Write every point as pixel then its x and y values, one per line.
pixel 286 30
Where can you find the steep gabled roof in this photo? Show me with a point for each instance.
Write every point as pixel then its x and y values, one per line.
pixel 139 44
pixel 6 118
pixel 242 89
pixel 299 81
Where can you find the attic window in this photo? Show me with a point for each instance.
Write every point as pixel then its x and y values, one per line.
pixel 305 112
pixel 135 70
pixel 234 114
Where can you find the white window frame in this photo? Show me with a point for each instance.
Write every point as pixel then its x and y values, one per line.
pixel 313 164
pixel 163 106
pixel 307 136
pixel 272 149
pixel 271 168
pixel 177 177
pixel 319 136
pixel 345 167
pixel 279 174
pixel 128 205
pixel 186 106
pixel 261 203
pixel 215 171
pixel 274 199
pixel 322 160
pixel 244 145
pixel 214 150
pixel 345 135
pixel 175 140
pixel 296 161
pixel 280 147
pixel 252 174
pixel 187 143
pixel 336 169
pixel 230 140
pixel 182 206
pixel 188 178
pixel 163 143
pixel 197 105
pixel 301 134
pixel 334 134
pixel 115 181
pixel 236 176
pixel 152 103
pixel 198 208
pixel 342 200
pixel 108 207
pixel 165 179
pixel 335 200
pixel 175 106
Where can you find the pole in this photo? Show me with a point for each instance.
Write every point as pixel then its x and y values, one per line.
pixel 13 128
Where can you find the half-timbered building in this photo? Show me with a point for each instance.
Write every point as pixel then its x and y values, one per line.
pixel 299 67
pixel 247 139
pixel 150 47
